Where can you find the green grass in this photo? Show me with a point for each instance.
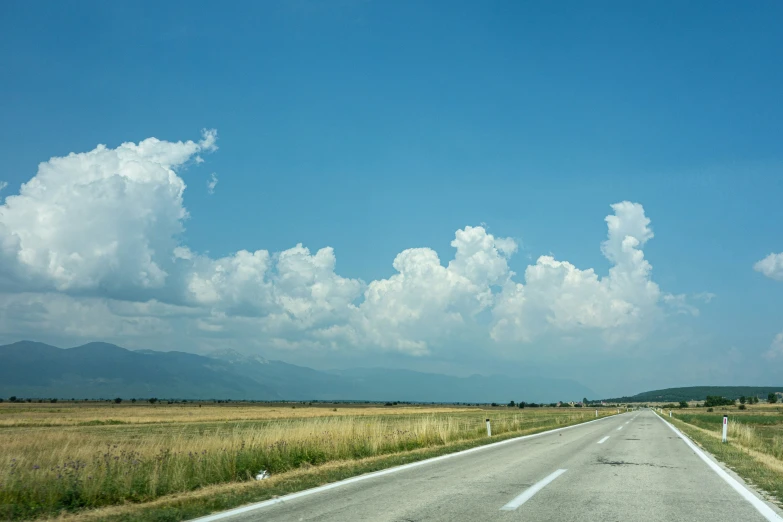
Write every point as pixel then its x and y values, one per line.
pixel 754 450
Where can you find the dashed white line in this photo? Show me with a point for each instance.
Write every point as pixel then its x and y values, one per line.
pixel 603 440
pixel 618 429
pixel 532 490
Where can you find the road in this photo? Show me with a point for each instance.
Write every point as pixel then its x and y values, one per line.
pixel 626 467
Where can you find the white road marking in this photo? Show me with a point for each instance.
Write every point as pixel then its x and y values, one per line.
pixel 603 440
pixel 618 429
pixel 292 496
pixel 766 511
pixel 532 490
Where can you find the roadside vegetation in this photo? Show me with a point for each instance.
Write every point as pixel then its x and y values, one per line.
pixel 755 440
pixel 64 459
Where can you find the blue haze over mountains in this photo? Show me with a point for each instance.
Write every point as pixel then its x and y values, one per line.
pixel 102 370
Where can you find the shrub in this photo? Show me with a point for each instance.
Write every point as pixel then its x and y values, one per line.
pixel 716 400
pixel 709 409
pixel 772 398
pixel 683 404
pixel 117 400
pixel 742 406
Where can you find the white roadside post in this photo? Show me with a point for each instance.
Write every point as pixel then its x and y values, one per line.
pixel 596 413
pixel 725 427
pixel 670 414
pixel 489 429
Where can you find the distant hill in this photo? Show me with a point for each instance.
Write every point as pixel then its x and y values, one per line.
pixel 699 393
pixel 100 370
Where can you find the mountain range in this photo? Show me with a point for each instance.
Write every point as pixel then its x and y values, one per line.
pixel 101 370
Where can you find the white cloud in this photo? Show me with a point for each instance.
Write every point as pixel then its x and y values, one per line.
pixel 707 297
pixel 776 348
pixel 294 287
pixel 427 302
pixel 557 295
pixel 212 183
pixel 91 246
pixel 101 222
pixel 3 185
pixel 771 266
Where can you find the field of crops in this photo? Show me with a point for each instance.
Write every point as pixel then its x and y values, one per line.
pixel 75 457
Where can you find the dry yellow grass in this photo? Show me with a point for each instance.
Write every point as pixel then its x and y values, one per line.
pixel 75 414
pixel 746 438
pixel 56 463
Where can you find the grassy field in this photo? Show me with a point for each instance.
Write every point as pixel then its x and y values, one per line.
pixel 72 457
pixel 755 441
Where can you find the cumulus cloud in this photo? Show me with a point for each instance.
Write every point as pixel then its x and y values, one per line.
pixel 101 222
pixel 427 302
pixel 293 287
pixel 771 266
pixel 558 295
pixel 92 244
pixel 212 183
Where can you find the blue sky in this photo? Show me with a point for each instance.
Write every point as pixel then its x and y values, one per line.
pixel 374 127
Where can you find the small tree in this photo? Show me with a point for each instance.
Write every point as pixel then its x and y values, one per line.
pixel 742 399
pixel 772 398
pixel 117 400
pixel 683 404
pixel 522 405
pixel 12 398
pixel 153 400
pixel 512 404
pixel 133 400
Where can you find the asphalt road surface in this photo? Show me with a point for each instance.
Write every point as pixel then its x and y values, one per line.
pixel 626 467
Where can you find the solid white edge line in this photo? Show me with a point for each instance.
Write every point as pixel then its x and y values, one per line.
pixel 306 492
pixel 603 440
pixel 532 490
pixel 761 506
